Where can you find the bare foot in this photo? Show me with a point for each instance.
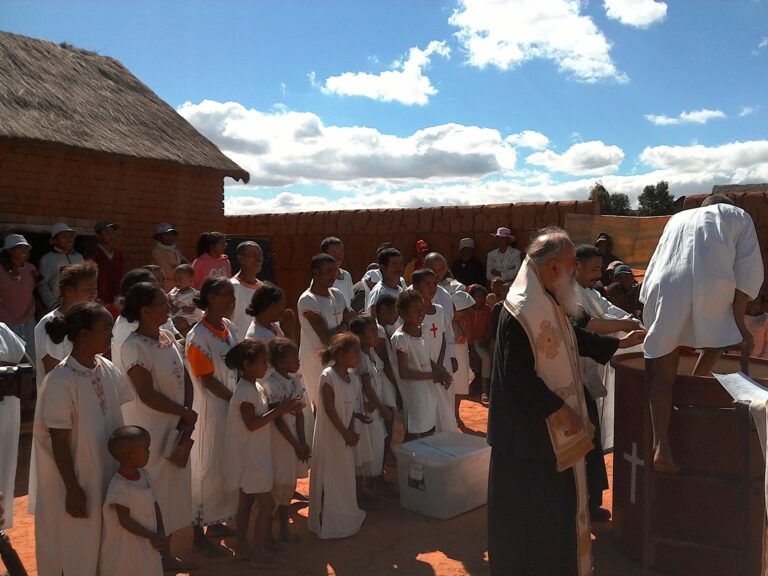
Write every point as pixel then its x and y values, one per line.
pixel 664 463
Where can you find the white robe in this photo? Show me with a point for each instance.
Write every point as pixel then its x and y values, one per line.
pixel 376 431
pixel 243 295
pixel 286 466
pixel 419 399
pixel 345 285
pixel 248 453
pixel 331 308
pixel 703 256
pixel 124 553
pixel 435 329
pixel 172 485
pixel 211 501
pixel 333 511
pixel 11 351
pixel 86 402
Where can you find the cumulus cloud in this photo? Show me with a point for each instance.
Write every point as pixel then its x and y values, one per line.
pixel 742 161
pixel 528 139
pixel 637 13
pixel 505 34
pixel 283 147
pixel 581 159
pixel 693 117
pixel 405 83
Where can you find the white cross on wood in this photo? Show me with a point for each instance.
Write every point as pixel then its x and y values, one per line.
pixel 635 461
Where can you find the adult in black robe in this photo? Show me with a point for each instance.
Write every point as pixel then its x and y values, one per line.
pixel 531 506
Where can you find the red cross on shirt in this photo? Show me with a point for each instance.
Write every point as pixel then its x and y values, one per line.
pixel 433 330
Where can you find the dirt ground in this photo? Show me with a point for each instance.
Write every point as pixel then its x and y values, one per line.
pixel 392 540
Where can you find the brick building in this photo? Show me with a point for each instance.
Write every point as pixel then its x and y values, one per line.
pixel 82 139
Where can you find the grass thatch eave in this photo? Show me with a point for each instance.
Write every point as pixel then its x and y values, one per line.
pixel 59 94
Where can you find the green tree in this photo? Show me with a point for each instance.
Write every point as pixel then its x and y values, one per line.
pixel 656 200
pixel 615 204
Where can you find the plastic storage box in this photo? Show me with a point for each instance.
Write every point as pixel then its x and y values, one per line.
pixel 443 475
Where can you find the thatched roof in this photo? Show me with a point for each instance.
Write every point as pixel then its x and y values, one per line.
pixel 72 97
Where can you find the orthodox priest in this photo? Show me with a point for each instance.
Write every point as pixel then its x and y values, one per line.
pixel 538 426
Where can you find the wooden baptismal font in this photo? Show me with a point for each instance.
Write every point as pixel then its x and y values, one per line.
pixel 708 519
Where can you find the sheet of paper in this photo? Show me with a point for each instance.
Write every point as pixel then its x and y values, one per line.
pixel 742 388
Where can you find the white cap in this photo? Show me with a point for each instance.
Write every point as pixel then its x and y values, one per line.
pixel 13 240
pixel 462 300
pixel 466 243
pixel 59 228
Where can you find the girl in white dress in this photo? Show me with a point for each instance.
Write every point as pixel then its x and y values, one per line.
pixel 462 302
pixel 77 283
pixel 213 382
pixel 163 406
pixel 418 380
pixel 290 450
pixel 371 373
pixel 248 447
pixel 333 510
pixel 268 308
pixel 134 536
pixel 77 409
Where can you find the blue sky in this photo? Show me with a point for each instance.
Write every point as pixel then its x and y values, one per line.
pixel 332 104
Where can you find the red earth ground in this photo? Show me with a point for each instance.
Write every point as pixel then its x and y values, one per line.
pixel 392 540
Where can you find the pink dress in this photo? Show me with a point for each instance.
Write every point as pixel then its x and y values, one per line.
pixel 206 266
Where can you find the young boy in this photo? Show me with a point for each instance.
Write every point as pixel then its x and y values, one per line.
pixel 133 534
pixel 480 316
pixel 165 253
pixel 434 332
pixel 387 321
pixel 184 313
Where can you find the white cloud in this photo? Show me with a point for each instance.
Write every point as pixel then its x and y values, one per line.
pixel 637 13
pixel 312 77
pixel 528 139
pixel 748 111
pixel 406 83
pixel 693 117
pixel 584 158
pixel 740 161
pixel 506 34
pixel 282 147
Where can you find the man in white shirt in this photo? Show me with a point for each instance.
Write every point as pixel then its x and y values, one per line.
pixel 705 269
pixel 391 266
pixel 62 253
pixel 505 260
pixel 334 247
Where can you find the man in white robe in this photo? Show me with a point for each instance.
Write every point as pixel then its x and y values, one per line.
pixel 11 354
pixel 705 269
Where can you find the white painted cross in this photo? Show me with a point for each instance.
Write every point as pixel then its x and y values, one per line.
pixel 635 461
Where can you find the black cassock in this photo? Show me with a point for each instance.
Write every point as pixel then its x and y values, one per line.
pixel 531 506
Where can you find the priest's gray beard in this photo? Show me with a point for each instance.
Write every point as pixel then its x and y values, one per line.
pixel 564 289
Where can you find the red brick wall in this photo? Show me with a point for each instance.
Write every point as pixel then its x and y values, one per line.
pixel 42 184
pixel 296 238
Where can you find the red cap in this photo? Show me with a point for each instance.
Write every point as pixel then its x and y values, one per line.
pixel 421 246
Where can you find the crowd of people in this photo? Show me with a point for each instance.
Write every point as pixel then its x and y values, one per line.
pixel 177 394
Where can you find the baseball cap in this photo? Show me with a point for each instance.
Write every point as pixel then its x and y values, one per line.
pixel 102 225
pixel 57 229
pixel 422 246
pixel 13 240
pixel 504 233
pixel 462 300
pixel 621 269
pixel 164 228
pixel 466 243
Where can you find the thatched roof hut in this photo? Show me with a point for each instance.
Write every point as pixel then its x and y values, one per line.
pixel 75 98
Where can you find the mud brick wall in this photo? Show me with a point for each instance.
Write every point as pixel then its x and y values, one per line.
pixel 43 184
pixel 751 197
pixel 295 238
